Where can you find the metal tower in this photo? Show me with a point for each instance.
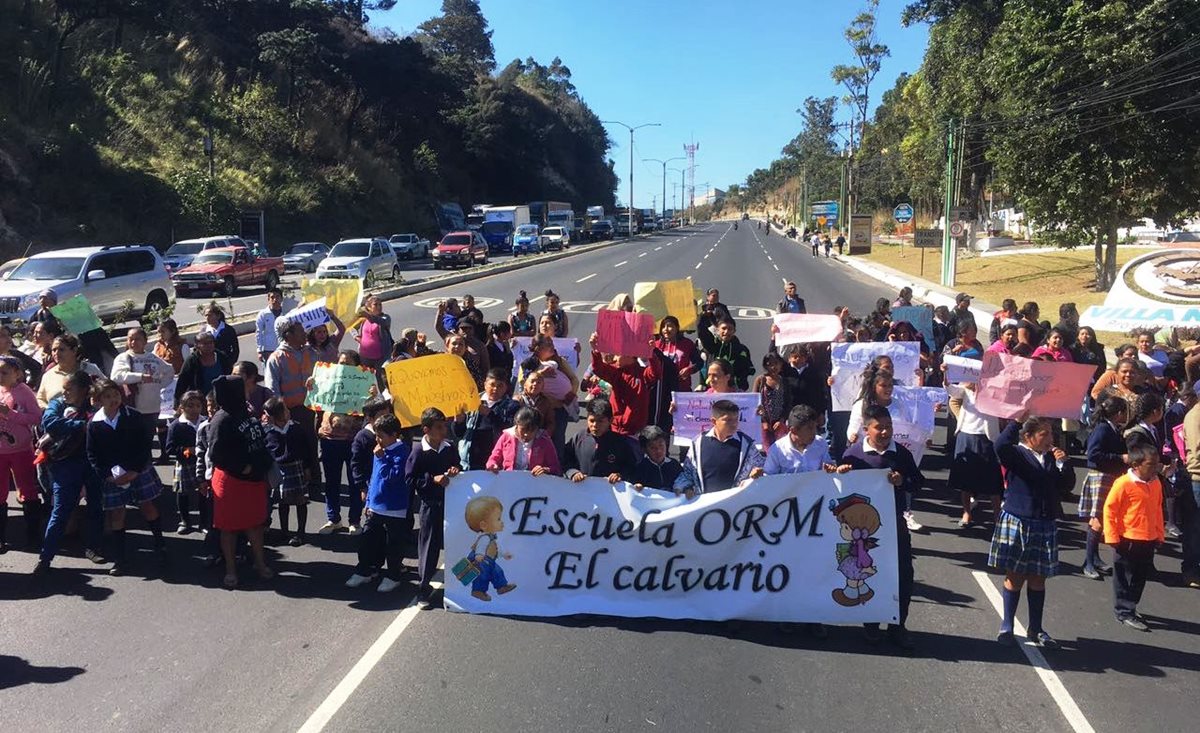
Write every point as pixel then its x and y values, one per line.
pixel 690 151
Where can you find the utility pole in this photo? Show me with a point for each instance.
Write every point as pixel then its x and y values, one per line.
pixel 842 212
pixel 948 250
pixel 664 173
pixel 804 195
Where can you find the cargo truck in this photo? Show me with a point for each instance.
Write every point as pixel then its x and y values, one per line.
pixel 539 211
pixel 499 224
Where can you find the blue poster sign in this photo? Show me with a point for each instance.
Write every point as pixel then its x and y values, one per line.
pixel 903 213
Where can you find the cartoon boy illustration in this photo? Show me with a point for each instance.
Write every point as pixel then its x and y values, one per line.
pixel 857 521
pixel 484 514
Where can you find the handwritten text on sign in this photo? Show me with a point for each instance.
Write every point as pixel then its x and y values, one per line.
pixel 1010 386
pixel 850 359
pixel 624 333
pixel 440 381
pixel 310 315
pixel 693 413
pixel 340 388
pixel 809 547
pixel 76 315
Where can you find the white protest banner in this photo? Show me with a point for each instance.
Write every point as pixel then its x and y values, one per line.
pixel 804 328
pixel 960 369
pixel 310 315
pixel 911 436
pixel 1010 386
pixel 693 413
pixel 850 359
pixel 810 547
pixel 917 405
pixel 564 346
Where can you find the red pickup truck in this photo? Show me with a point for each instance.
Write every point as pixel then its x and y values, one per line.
pixel 225 269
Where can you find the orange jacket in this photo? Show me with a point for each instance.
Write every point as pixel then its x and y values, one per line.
pixel 1133 510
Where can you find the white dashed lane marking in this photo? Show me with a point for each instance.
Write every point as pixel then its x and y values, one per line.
pixel 622 262
pixel 586 277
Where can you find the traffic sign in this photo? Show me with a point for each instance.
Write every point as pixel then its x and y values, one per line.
pixel 958 229
pixel 903 213
pixel 930 238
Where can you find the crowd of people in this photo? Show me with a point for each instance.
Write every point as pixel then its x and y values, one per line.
pixel 244 448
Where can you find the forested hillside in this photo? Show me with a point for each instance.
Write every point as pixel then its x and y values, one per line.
pixel 333 128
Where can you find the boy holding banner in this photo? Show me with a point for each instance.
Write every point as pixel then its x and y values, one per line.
pixel 722 458
pixel 878 450
pixel 429 472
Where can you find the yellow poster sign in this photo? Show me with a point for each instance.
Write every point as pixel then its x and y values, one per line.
pixel 341 296
pixel 440 381
pixel 667 298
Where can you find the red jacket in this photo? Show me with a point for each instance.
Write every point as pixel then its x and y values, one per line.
pixel 630 398
pixel 541 452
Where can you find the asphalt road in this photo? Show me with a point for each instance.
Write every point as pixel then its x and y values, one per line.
pixel 170 650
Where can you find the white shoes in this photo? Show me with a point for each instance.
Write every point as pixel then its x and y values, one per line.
pixel 330 527
pixel 357 580
pixel 353 529
pixel 911 520
pixel 387 585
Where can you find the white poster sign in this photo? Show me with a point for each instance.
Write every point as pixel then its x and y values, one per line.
pixel 850 359
pixel 693 413
pixel 564 346
pixel 811 547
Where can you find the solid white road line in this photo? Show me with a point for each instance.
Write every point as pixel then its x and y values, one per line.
pixel 586 277
pixel 622 262
pixel 1050 679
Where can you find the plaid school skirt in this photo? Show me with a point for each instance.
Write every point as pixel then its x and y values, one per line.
pixel 291 489
pixel 1024 546
pixel 185 481
pixel 1095 490
pixel 146 487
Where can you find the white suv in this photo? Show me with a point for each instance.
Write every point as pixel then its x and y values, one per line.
pixel 365 259
pixel 109 277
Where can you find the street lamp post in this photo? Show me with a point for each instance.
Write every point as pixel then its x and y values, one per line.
pixel 631 130
pixel 664 173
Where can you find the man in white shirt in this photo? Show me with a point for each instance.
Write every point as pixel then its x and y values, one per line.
pixel 265 339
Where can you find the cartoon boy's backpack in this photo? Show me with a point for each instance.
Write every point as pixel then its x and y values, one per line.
pixel 466 569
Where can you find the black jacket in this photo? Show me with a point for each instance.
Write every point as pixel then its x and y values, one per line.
pixel 127 445
pixel 610 454
pixel 238 442
pixel 227 344
pixel 806 388
pixel 180 435
pixel 731 351
pixel 428 463
pixel 654 476
pixel 191 371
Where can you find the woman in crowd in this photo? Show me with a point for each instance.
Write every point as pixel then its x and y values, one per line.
pixel 556 313
pixel 521 321
pixel 31 368
pixel 326 344
pixel 680 349
pixel 373 332
pixel 20 413
pixel 240 460
pixel 202 367
pixel 1125 380
pixel 256 394
pixel 65 351
pixel 1054 347
pixel 142 376
pixel 224 336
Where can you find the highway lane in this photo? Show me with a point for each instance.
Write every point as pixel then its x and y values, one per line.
pixel 172 650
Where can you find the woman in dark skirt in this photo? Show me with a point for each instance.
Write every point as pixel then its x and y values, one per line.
pixel 1025 541
pixel 975 472
pixel 1106 453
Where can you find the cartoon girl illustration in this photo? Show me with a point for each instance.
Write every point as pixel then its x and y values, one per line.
pixel 857 521
pixel 484 514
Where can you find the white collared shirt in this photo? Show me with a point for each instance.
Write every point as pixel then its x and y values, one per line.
pixel 1041 457
pixel 784 457
pixel 868 448
pixel 99 417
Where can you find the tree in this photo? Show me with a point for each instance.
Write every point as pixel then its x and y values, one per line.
pixel 868 54
pixel 459 38
pixel 1094 130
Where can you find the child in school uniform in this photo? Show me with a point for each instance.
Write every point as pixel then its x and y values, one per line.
pixel 598 451
pixel 288 445
pixel 384 533
pixel 204 472
pixel 656 469
pixel 1025 540
pixel 430 470
pixel 877 449
pixel 180 446
pixel 1133 525
pixel 1106 456
pixel 801 449
pixel 525 447
pixel 335 438
pixel 494 416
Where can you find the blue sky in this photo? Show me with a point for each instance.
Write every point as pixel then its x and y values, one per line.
pixel 729 75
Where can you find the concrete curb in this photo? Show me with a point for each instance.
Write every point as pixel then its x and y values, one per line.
pixel 923 290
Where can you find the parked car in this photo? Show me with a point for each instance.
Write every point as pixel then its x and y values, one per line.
pixel 602 229
pixel 527 241
pixel 225 269
pixel 109 277
pixel 366 259
pixel 410 246
pixel 181 254
pixel 460 249
pixel 305 256
pixel 555 238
